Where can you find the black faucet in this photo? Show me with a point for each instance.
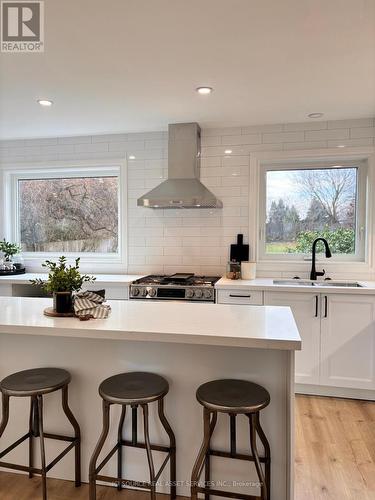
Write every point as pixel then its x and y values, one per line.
pixel 314 273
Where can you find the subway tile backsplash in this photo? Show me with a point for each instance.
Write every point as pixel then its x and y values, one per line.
pixel 189 240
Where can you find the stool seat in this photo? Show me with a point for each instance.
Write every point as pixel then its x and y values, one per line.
pixel 35 382
pixel 133 388
pixel 233 396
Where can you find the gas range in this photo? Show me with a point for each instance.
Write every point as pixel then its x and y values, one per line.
pixel 178 286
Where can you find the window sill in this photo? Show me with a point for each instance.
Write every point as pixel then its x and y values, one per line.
pixel 88 264
pixel 348 269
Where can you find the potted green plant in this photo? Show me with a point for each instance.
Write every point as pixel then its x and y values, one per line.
pixel 63 280
pixel 9 249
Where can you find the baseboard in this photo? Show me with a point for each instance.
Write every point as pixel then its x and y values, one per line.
pixel 338 392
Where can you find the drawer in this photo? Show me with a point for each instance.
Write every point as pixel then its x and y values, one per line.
pixel 242 296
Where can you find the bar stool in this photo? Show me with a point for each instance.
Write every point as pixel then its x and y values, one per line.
pixel 232 397
pixel 35 384
pixel 133 389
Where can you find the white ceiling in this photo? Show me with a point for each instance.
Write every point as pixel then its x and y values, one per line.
pixel 133 65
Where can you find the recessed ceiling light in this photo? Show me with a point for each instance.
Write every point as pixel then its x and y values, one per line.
pixel 340 146
pixel 45 102
pixel 131 157
pixel 228 151
pixel 315 115
pixel 204 90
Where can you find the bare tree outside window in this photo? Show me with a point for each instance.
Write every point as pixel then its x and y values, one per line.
pixel 332 190
pixel 307 203
pixel 69 214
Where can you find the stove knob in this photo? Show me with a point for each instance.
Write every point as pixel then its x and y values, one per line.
pixel 198 293
pixel 189 293
pixel 208 294
pixel 135 291
pixel 152 292
pixel 144 292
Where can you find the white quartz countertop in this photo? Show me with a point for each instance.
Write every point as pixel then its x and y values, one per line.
pixel 367 287
pixel 113 279
pixel 263 327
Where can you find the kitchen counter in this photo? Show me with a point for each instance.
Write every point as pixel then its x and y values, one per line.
pixel 191 323
pixel 113 279
pixel 367 287
pixel 115 285
pixel 189 344
pixel 124 280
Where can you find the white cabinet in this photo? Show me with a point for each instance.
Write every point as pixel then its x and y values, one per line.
pixel 338 337
pixel 5 290
pixel 112 292
pixel 348 341
pixel 305 307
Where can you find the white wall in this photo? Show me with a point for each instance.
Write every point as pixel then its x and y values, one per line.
pixel 191 240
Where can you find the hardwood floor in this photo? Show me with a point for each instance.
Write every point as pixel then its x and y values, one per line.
pixel 29 489
pixel 335 458
pixel 335 449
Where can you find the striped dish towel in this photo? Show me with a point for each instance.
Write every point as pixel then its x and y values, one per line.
pixel 90 304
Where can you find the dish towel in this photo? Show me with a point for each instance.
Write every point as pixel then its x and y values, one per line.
pixel 90 304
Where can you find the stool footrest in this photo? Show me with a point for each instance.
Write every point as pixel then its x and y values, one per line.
pixel 62 455
pixel 154 447
pixel 162 467
pixel 58 437
pixel 126 482
pixel 237 456
pixel 131 445
pixel 25 468
pixel 227 494
pixel 14 445
pixel 106 459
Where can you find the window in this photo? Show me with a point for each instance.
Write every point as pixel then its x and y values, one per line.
pixel 66 211
pixel 304 203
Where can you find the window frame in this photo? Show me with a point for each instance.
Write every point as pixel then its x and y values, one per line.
pixel 361 210
pixel 67 169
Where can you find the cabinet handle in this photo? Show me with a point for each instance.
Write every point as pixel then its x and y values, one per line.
pixel 325 306
pixel 239 296
pixel 316 305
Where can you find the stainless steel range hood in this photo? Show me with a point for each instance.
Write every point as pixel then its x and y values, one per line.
pixel 182 189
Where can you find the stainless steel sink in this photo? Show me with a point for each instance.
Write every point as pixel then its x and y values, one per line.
pixel 328 283
pixel 293 282
pixel 348 284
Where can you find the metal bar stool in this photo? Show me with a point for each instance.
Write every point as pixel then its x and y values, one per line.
pixel 35 384
pixel 232 397
pixel 133 389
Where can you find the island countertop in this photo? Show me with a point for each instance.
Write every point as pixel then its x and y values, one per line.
pixel 261 327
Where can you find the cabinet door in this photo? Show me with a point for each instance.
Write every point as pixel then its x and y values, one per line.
pixel 305 308
pixel 348 341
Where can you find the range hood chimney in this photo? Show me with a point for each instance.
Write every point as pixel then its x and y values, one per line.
pixel 182 189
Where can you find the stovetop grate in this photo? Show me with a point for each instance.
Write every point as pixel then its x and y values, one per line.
pixel 177 279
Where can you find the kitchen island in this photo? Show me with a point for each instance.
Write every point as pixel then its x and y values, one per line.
pixel 189 344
